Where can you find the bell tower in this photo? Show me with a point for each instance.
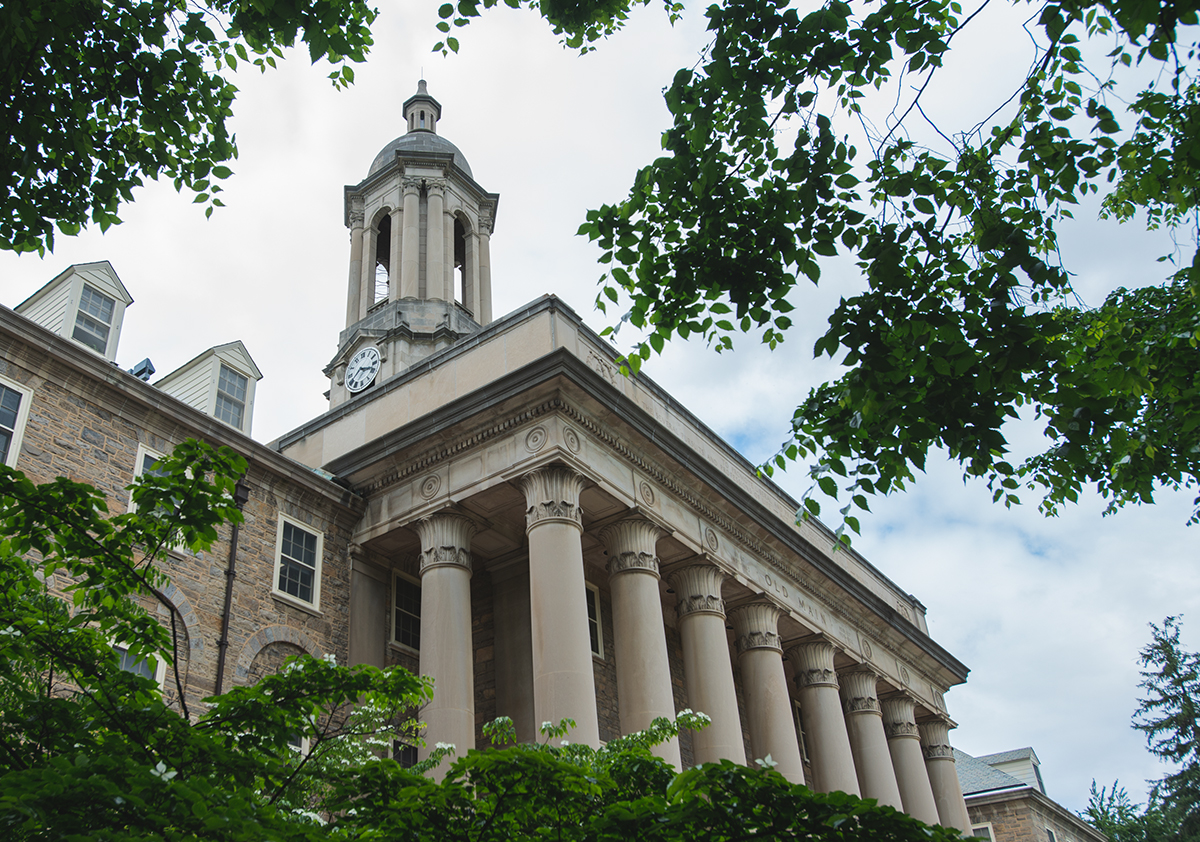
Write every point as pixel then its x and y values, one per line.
pixel 420 272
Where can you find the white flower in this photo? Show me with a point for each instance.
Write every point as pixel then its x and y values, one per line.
pixel 445 746
pixel 160 771
pixel 767 762
pixel 331 659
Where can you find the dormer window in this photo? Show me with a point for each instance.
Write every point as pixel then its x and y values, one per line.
pixel 94 319
pixel 231 397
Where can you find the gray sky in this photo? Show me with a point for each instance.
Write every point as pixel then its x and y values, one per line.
pixel 1049 614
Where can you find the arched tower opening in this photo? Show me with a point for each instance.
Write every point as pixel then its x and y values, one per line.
pixel 461 276
pixel 383 259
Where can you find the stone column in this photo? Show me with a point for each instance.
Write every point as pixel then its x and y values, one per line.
pixel 563 684
pixel 483 312
pixel 354 310
pixel 448 258
pixel 643 671
pixel 366 286
pixel 410 249
pixel 904 744
pixel 397 249
pixel 868 743
pixel 943 775
pixel 821 713
pixel 447 654
pixel 435 241
pixel 764 684
pixel 706 665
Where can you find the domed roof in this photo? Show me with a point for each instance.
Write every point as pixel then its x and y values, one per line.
pixel 419 141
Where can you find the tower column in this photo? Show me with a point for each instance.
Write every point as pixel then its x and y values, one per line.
pixel 435 241
pixel 768 703
pixel 366 287
pixel 354 310
pixel 397 249
pixel 943 775
pixel 563 684
pixel 446 646
pixel 904 744
pixel 821 713
pixel 410 248
pixel 868 743
pixel 483 312
pixel 643 671
pixel 706 665
pixel 448 259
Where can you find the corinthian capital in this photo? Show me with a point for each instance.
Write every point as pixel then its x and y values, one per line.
pixel 899 717
pixel 858 691
pixel 445 541
pixel 552 494
pixel 631 546
pixel 935 740
pixel 698 587
pixel 756 626
pixel 436 186
pixel 814 664
pixel 410 184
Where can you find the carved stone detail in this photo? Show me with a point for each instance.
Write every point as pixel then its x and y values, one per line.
pixel 647 493
pixel 859 694
pixel 410 184
pixel 710 538
pixel 698 587
pixel 814 664
pixel 602 367
pixel 535 439
pixel 552 493
pixel 935 740
pixel 899 717
pixel 571 438
pixel 430 486
pixel 756 626
pixel 445 541
pixel 436 186
pixel 631 545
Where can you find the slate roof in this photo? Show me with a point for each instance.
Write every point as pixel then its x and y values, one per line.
pixel 976 776
pixel 419 141
pixel 1006 756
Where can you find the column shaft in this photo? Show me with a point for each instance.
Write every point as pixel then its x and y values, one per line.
pixel 821 714
pixel 396 259
pixel 483 313
pixel 410 249
pixel 354 292
pixel 943 775
pixel 366 285
pixel 448 259
pixel 868 743
pixel 435 243
pixel 643 671
pixel 764 684
pixel 563 683
pixel 446 644
pixel 706 665
pixel 904 744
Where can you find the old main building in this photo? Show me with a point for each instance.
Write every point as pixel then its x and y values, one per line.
pixel 490 502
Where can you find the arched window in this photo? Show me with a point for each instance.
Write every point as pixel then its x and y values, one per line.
pixel 460 265
pixel 383 259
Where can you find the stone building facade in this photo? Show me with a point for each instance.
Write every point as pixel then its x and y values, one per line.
pixel 490 502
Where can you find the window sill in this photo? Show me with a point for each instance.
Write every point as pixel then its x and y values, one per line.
pixel 400 647
pixel 291 602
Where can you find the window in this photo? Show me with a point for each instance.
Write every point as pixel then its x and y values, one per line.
pixel 983 831
pixel 404 754
pixel 14 410
pixel 93 319
pixel 298 563
pixel 154 670
pixel 1050 835
pixel 594 627
pixel 801 737
pixel 406 613
pixel 231 397
pixel 144 465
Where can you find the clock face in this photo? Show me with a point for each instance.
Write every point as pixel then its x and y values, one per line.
pixel 362 368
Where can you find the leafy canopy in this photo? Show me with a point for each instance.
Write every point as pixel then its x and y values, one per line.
pixel 99 95
pixel 966 319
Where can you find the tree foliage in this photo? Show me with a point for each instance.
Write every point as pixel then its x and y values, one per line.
pixel 99 95
pixel 1169 716
pixel 88 751
pixel 1112 813
pixel 966 318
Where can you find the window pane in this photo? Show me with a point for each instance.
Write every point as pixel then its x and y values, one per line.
pixel 10 402
pixel 97 304
pixel 408 613
pixel 232 383
pixel 231 397
pixel 91 333
pixel 297 562
pixel 593 612
pixel 138 667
